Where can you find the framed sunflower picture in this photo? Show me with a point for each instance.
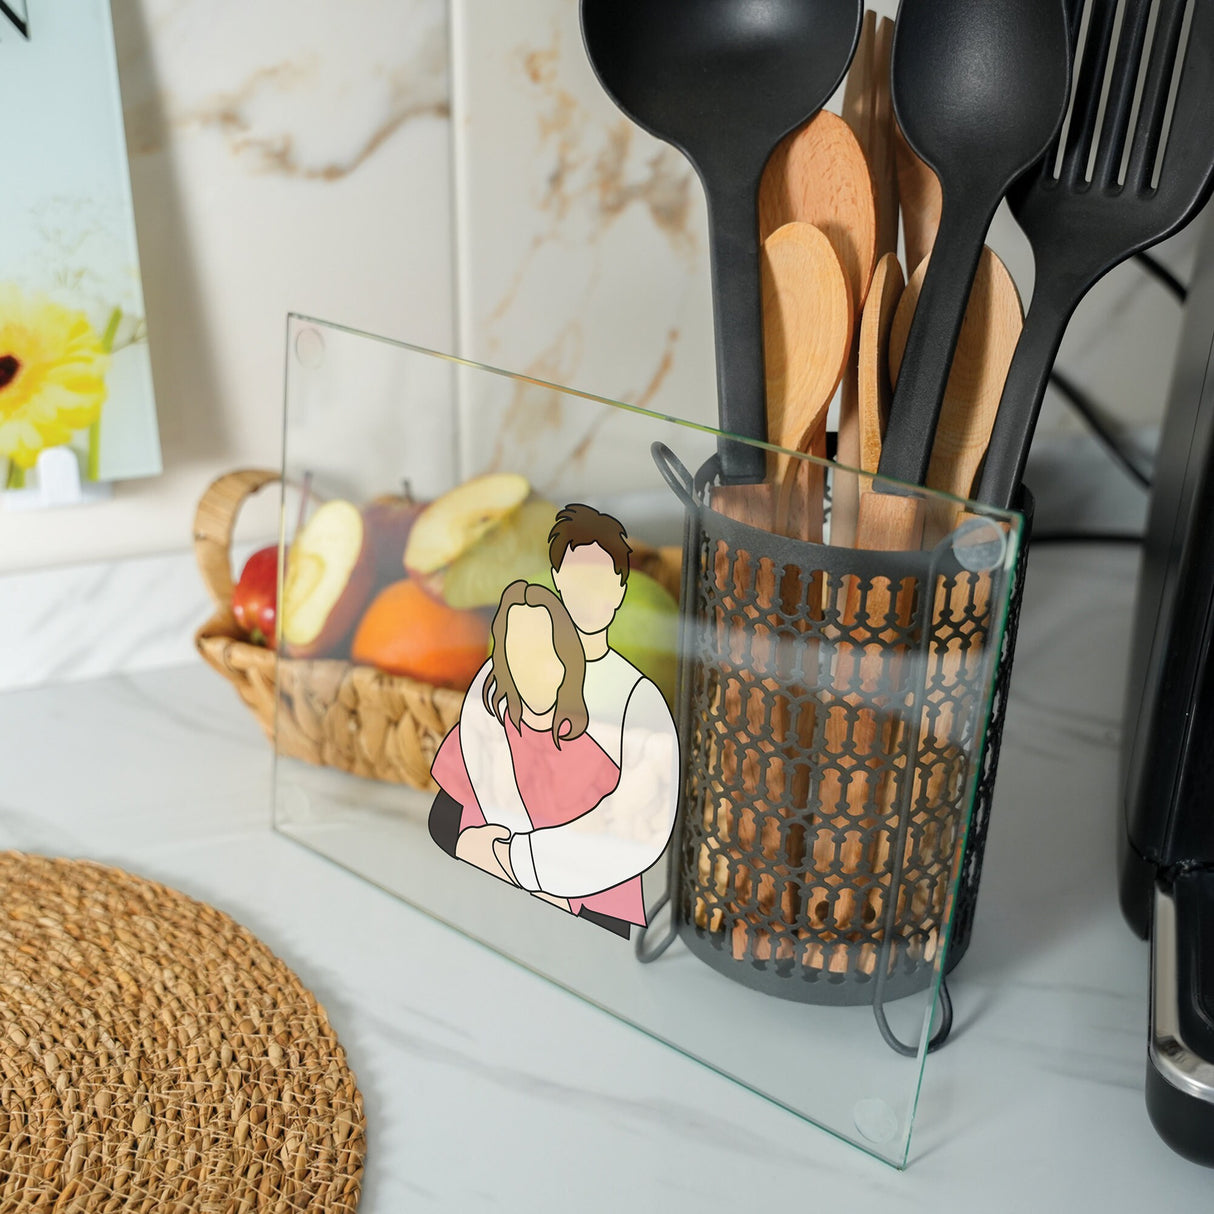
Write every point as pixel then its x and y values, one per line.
pixel 75 371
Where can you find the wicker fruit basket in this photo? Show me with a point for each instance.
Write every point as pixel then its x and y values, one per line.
pixel 331 712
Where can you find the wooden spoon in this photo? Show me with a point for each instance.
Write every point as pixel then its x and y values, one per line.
pixel 875 388
pixel 818 175
pixel 892 522
pixel 993 322
pixel 808 324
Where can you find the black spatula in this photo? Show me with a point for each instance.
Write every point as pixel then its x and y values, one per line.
pixel 1146 183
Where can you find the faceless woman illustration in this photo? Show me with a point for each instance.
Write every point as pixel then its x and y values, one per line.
pixel 561 776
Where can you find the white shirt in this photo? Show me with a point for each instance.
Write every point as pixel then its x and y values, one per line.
pixel 628 830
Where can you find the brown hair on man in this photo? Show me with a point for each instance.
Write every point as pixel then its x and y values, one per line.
pixel 577 525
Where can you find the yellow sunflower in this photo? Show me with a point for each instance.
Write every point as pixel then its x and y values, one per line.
pixel 52 374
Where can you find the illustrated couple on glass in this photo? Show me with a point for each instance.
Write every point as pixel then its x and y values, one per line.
pixel 562 775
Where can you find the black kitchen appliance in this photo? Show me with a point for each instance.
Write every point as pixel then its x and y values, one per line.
pixel 1167 835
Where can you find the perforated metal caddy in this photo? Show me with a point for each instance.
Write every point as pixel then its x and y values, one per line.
pixel 833 714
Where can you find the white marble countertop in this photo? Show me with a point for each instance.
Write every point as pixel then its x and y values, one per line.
pixel 488 1089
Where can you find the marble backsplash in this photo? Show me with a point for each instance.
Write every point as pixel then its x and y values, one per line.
pixel 448 172
pixel 582 245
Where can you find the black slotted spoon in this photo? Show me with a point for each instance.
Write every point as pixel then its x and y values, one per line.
pixel 1081 229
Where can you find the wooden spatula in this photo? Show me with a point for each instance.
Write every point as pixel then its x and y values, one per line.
pixel 892 522
pixel 808 324
pixel 989 334
pixel 867 109
pixel 808 327
pixel 874 382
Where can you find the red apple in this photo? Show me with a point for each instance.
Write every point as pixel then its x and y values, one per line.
pixel 389 520
pixel 330 579
pixel 255 598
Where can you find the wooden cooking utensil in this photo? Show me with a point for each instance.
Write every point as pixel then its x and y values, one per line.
pixel 875 387
pixel 989 335
pixel 808 326
pixel 818 175
pixel 808 322
pixel 735 827
pixel 867 109
pixel 881 147
pixel 808 329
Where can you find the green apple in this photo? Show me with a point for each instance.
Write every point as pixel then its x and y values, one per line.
pixel 646 632
pixel 516 548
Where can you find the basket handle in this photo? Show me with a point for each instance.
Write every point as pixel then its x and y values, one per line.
pixel 214 522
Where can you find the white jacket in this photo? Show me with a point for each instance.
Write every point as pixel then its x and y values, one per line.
pixel 628 830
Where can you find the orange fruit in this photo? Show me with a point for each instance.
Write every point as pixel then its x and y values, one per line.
pixel 407 631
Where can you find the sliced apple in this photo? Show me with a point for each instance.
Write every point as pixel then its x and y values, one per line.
pixel 451 524
pixel 516 548
pixel 330 577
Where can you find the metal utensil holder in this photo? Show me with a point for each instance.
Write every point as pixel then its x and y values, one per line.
pixel 833 719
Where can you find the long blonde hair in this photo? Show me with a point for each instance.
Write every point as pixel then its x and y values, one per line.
pixel 500 688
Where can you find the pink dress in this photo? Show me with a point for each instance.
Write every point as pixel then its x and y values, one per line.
pixel 556 786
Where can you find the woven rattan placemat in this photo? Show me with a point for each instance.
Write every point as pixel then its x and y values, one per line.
pixel 156 1056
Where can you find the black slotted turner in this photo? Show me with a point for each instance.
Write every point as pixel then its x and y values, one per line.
pixel 1081 229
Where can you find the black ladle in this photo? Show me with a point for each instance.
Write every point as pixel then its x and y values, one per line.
pixel 980 89
pixel 724 81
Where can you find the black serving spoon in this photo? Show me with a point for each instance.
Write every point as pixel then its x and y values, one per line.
pixel 1080 228
pixel 724 81
pixel 980 89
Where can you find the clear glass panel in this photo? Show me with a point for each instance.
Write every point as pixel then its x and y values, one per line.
pixel 804 718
